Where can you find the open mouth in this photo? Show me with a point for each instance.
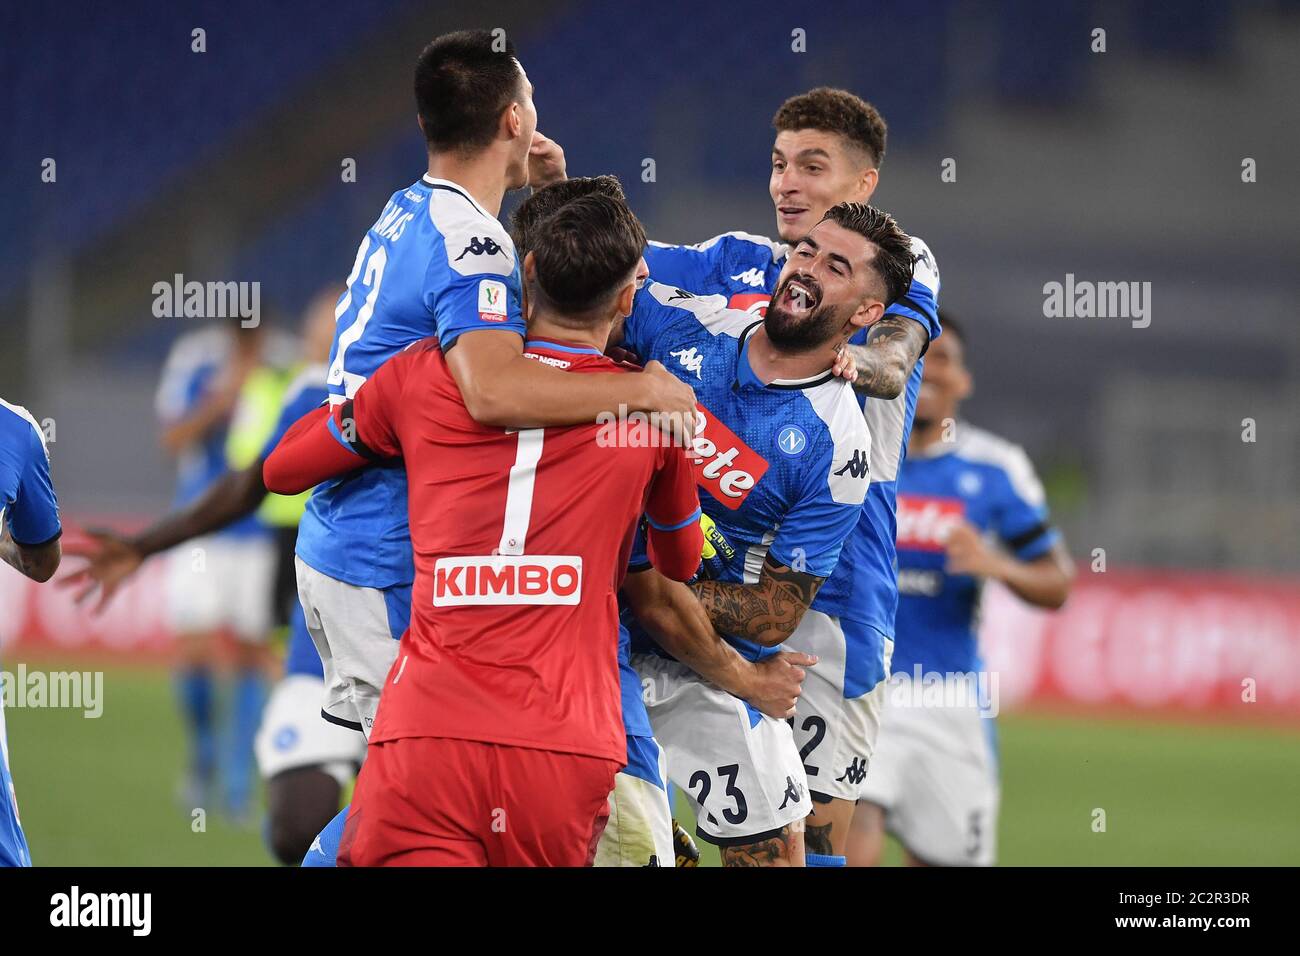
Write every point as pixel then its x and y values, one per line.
pixel 800 297
pixel 791 212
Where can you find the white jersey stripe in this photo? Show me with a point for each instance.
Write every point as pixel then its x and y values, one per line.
pixel 519 493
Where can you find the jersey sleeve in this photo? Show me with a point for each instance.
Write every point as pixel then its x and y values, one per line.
pixel 673 518
pixel 1022 521
pixel 34 516
pixel 368 424
pixel 472 282
pixel 813 531
pixel 704 266
pixel 921 301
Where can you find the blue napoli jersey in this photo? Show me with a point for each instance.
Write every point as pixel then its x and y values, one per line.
pixel 782 468
pixel 306 392
pixel 28 505
pixel 30 511
pixel 190 373
pixel 988 482
pixel 434 263
pixel 744 268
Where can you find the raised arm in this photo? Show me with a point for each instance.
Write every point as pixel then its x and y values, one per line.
pixel 886 359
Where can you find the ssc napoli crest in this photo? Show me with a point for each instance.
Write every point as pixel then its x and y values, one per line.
pixel 792 441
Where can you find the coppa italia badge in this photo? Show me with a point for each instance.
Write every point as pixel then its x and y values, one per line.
pixel 492 300
pixel 924 522
pixel 724 465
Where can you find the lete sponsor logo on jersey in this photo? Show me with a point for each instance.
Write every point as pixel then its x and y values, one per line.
pixel 754 303
pixel 924 521
pixel 507 579
pixel 724 465
pixel 492 300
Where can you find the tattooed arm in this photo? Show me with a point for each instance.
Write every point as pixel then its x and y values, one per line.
pixel 767 612
pixel 893 346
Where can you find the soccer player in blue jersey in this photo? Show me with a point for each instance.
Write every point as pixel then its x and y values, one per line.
pixel 305 761
pixel 437 262
pixel 29 542
pixel 970 510
pixel 640 828
pixel 828 149
pixel 783 456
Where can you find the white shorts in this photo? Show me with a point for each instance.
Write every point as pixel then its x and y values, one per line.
pixel 740 768
pixel 640 827
pixel 837 718
pixel 935 776
pixel 293 733
pixel 356 632
pixel 222 581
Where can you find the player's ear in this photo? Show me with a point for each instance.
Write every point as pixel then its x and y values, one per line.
pixel 512 121
pixel 867 180
pixel 626 298
pixel 869 312
pixel 530 267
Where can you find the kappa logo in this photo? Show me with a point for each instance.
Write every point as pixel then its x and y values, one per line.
pixel 480 247
pixel 507 579
pixel 793 793
pixel 754 277
pixel 691 359
pixel 856 467
pixel 725 466
pixel 679 294
pixel 854 773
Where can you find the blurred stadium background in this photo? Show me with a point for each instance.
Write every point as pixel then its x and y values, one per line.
pixel 1124 165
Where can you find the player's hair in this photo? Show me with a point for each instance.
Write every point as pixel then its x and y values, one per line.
pixel 545 201
pixel 463 81
pixel 893 260
pixel 836 111
pixel 584 251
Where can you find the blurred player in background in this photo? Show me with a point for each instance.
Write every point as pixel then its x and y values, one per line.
pixel 783 455
pixel 934 777
pixel 828 149
pixel 499 732
pixel 29 542
pixel 305 761
pixel 223 581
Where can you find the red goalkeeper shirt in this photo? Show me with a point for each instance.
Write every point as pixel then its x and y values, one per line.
pixel 521 541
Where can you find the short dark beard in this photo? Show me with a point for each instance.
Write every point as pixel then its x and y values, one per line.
pixel 793 335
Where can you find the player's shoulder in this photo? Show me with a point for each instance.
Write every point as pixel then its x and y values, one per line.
pixel 473 239
pixel 710 311
pixel 743 246
pixel 925 269
pixel 18 428
pixel 978 446
pixel 197 348
pixel 845 438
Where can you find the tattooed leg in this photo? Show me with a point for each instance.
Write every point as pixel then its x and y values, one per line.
pixel 828 826
pixel 784 849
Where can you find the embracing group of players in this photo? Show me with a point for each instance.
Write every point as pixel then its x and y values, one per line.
pixel 538 619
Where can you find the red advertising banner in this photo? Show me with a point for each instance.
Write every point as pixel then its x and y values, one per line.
pixel 1219 645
